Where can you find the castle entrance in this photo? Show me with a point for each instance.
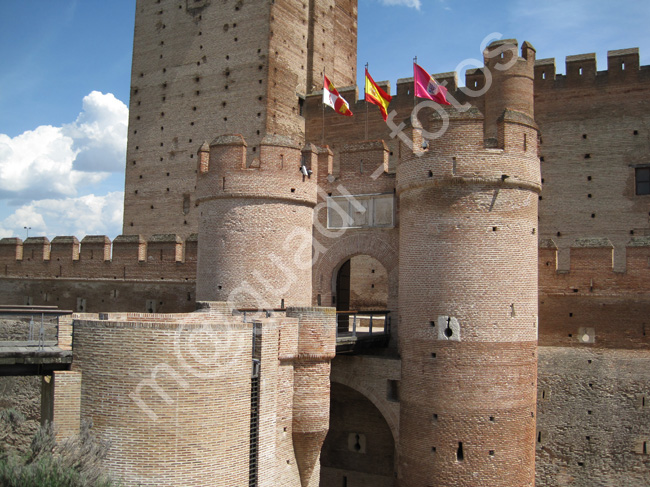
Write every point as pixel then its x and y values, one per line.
pixel 359 448
pixel 361 292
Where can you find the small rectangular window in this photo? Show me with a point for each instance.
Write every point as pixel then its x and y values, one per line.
pixel 361 211
pixel 392 391
pixel 642 179
pixel 301 106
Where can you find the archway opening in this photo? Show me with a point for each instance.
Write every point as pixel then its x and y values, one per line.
pixel 361 291
pixel 359 448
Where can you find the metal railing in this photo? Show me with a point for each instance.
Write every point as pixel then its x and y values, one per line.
pixel 365 323
pixel 30 326
pixel 256 312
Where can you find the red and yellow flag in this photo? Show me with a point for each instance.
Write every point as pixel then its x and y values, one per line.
pixel 374 94
pixel 331 98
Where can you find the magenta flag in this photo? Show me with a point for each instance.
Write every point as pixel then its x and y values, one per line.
pixel 427 87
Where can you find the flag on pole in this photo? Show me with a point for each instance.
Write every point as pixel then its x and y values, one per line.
pixel 331 98
pixel 374 94
pixel 427 87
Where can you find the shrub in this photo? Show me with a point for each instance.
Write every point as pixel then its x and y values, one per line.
pixel 74 462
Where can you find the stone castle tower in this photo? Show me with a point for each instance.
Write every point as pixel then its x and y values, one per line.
pixel 202 68
pixel 468 288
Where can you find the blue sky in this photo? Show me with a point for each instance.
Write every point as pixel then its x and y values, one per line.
pixel 65 71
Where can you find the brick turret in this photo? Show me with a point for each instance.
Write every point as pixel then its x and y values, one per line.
pixel 468 293
pixel 255 237
pixel 511 88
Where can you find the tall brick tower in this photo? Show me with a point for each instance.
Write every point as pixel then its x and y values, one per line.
pixel 468 289
pixel 202 68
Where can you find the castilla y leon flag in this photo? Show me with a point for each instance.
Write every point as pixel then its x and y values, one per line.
pixel 427 87
pixel 374 94
pixel 331 98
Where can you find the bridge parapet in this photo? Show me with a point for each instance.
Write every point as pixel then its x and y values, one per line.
pixel 34 340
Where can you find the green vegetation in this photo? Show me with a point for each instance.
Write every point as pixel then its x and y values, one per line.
pixel 74 462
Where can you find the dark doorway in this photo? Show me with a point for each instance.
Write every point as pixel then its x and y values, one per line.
pixel 359 448
pixel 343 294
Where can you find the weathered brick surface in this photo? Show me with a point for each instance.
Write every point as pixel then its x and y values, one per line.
pixel 176 389
pixel 316 348
pixel 61 402
pixel 209 68
pixel 369 285
pixel 611 306
pixel 468 249
pixel 593 411
pixel 255 240
pixel 172 396
pixel 594 134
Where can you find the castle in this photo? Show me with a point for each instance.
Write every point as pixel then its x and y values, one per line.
pixel 505 238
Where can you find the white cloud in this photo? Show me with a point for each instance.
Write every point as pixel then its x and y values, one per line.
pixel 416 4
pixel 85 215
pixel 99 133
pixel 57 161
pixel 47 173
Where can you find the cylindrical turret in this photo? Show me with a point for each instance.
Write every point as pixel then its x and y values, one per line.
pixel 468 300
pixel 511 84
pixel 316 349
pixel 255 223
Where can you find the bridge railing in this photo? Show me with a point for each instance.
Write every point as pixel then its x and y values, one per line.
pixel 353 323
pixel 35 327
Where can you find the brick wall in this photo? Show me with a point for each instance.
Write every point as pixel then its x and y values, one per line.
pixel 359 448
pixel 210 68
pixel 593 303
pixel 368 283
pixel 468 301
pixel 255 240
pixel 172 395
pixel 61 401
pixel 593 125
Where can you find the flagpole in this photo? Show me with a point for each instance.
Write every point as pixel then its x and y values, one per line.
pixel 364 99
pixel 322 140
pixel 415 61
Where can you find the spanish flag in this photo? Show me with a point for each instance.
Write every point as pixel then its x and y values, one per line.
pixel 331 98
pixel 374 94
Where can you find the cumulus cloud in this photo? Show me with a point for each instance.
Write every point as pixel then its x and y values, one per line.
pixel 99 133
pixel 47 174
pixel 416 4
pixel 50 162
pixel 85 215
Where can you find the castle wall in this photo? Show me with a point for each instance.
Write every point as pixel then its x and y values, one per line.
pixel 592 303
pixel 368 284
pixel 94 296
pixel 61 401
pixel 468 298
pixel 255 242
pixel 592 414
pixel 130 275
pixel 593 136
pixel 175 389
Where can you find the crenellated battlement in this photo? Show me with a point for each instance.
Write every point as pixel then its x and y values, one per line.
pixel 128 257
pixel 592 267
pixel 490 90
pixel 275 173
pixel 581 71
